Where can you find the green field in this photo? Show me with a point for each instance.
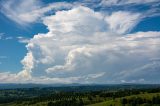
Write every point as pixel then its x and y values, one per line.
pixel 117 101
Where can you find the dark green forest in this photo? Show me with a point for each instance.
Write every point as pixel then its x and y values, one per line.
pixel 125 95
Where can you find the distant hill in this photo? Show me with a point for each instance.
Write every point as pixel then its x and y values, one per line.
pixel 81 86
pixel 32 85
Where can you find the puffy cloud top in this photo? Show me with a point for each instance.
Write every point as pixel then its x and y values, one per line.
pixel 86 46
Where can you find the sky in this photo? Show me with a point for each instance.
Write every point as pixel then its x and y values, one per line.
pixel 80 41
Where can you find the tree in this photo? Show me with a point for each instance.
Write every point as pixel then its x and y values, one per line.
pixel 81 102
pixel 124 101
pixel 50 104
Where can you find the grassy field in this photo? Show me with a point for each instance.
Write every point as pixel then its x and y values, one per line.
pixel 25 104
pixel 117 101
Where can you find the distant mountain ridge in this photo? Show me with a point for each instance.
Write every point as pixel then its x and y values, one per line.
pixel 77 86
pixel 32 85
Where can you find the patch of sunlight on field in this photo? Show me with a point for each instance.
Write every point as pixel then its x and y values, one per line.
pixel 117 102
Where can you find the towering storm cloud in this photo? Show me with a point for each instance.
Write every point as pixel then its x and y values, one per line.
pixel 85 42
pixel 87 46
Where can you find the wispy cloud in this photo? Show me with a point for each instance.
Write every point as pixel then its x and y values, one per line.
pixel 3 57
pixel 25 12
pixel 16 10
pixel 127 2
pixel 23 39
pixel 148 72
pixel 123 21
pixel 1 35
pixel 8 38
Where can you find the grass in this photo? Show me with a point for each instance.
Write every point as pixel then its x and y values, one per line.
pixel 117 102
pixel 25 104
pixel 110 102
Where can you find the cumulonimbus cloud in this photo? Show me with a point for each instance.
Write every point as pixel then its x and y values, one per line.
pixel 87 46
pixel 83 42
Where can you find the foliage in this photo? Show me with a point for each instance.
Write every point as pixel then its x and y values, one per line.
pixel 101 97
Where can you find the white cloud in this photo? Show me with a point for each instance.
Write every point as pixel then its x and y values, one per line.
pixel 28 63
pixel 126 2
pixel 93 76
pixel 149 72
pixel 23 39
pixel 4 37
pixel 7 77
pixel 16 9
pixel 83 47
pixel 75 22
pixel 1 35
pixel 138 1
pixel 109 2
pixel 3 57
pixel 24 12
pixel 80 79
pixel 141 81
pixel 122 22
pixel 82 43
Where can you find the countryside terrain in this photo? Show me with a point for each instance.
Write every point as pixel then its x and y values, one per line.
pixel 80 95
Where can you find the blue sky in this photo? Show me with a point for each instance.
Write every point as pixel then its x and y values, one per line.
pixel 84 41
